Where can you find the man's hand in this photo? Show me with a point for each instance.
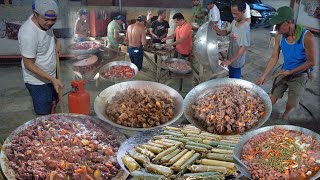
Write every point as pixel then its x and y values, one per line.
pixel 261 80
pixel 215 27
pixel 57 84
pixel 58 47
pixel 164 40
pixel 285 72
pixel 226 62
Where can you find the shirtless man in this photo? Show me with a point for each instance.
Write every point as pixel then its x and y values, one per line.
pixel 136 36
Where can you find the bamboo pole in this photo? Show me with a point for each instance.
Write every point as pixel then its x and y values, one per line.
pixel 60 93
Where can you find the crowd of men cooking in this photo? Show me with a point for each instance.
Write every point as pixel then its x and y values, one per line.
pixel 38 47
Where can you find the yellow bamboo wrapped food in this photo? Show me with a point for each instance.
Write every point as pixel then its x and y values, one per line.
pixel 182 160
pixel 130 163
pixel 203 176
pixel 222 151
pixel 217 163
pixel 221 157
pixel 177 157
pixel 140 158
pixel 166 158
pixel 197 149
pixel 158 169
pixel 169 128
pixel 152 148
pixel 165 143
pixel 163 153
pixel 176 143
pixel 147 176
pixel 145 152
pixel 152 143
pixel 207 168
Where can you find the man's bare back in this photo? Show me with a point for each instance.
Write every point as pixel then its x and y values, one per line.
pixel 136 34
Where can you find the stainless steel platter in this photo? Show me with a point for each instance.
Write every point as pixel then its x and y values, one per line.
pixel 129 144
pixel 178 71
pixel 204 88
pixel 92 50
pixel 104 69
pixel 158 46
pixel 9 173
pixel 237 150
pixel 107 94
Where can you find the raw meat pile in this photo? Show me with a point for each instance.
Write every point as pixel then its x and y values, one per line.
pixel 87 45
pixel 119 72
pixel 281 154
pixel 140 108
pixel 228 110
pixel 179 65
pixel 62 148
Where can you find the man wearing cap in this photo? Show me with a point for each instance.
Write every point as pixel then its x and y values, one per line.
pixel 82 27
pixel 113 31
pixel 239 35
pixel 183 35
pixel 298 48
pixel 136 36
pixel 38 49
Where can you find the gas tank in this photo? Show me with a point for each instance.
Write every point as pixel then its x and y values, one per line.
pixel 79 98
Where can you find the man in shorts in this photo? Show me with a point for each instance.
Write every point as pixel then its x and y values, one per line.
pixel 298 48
pixel 136 36
pixel 38 48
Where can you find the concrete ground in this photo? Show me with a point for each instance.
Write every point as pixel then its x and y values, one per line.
pixel 16 105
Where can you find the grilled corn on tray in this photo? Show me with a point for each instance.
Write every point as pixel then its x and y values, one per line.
pixel 178 153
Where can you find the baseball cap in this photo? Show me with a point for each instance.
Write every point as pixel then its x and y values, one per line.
pixel 120 17
pixel 42 6
pixel 83 12
pixel 142 18
pixel 284 13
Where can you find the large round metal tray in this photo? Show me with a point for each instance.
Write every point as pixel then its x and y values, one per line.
pixel 9 173
pixel 104 68
pixel 178 71
pixel 204 88
pixel 237 150
pixel 129 144
pixel 107 94
pixel 83 51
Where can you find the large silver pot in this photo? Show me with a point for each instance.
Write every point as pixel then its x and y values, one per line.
pixel 205 47
pixel 204 88
pixel 107 94
pixel 237 150
pixel 104 69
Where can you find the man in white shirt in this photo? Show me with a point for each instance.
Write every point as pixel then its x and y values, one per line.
pixel 247 15
pixel 214 13
pixel 38 49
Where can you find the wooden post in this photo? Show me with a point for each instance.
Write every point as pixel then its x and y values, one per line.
pixel 60 93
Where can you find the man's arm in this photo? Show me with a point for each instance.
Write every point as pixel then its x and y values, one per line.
pixel 29 64
pixel 143 36
pixel 309 45
pixel 169 37
pixel 152 33
pixel 222 32
pixel 272 61
pixel 165 34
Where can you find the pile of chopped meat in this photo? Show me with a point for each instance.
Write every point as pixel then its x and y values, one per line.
pixel 178 65
pixel 281 154
pixel 60 149
pixel 120 72
pixel 228 110
pixel 140 108
pixel 87 45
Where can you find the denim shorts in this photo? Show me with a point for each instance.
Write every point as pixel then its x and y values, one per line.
pixel 136 56
pixel 42 97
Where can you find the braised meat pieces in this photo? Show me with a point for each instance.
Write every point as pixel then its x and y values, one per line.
pixel 120 72
pixel 140 108
pixel 281 154
pixel 63 149
pixel 228 110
